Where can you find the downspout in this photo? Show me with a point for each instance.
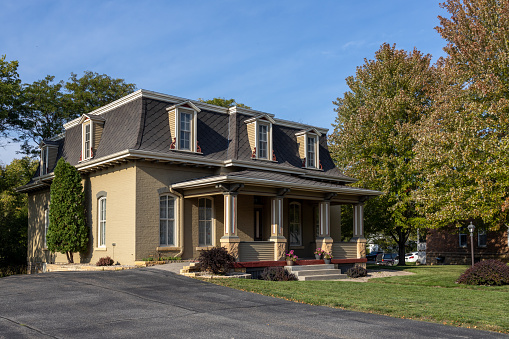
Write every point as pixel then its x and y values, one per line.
pixel 181 220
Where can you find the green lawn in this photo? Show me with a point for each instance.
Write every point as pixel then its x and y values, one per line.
pixel 429 295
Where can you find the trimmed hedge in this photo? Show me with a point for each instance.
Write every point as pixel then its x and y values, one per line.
pixel 488 272
pixel 277 274
pixel 357 272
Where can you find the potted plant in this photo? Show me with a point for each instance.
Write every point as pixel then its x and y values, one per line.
pixel 327 257
pixel 291 258
pixel 318 253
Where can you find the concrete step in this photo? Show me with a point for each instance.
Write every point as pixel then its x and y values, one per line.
pixel 316 272
pixel 323 277
pixel 309 267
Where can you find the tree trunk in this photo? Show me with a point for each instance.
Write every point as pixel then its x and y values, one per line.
pixel 402 236
pixel 70 258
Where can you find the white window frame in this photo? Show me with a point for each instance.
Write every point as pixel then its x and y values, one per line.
pixel 192 129
pixel 201 221
pixel 86 152
pixel 479 234
pixel 314 151
pixel 44 160
pixel 167 220
pixel 291 223
pixel 466 238
pixel 101 222
pixel 46 227
pixel 259 140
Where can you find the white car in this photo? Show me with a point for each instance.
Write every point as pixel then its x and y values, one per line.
pixel 411 257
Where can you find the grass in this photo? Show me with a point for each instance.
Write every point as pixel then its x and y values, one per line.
pixel 431 294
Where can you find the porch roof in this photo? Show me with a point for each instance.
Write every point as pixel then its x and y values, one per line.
pixel 272 179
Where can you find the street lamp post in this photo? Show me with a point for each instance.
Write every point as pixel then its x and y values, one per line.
pixel 471 229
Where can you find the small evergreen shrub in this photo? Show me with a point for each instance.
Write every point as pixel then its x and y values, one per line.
pixel 277 274
pixel 488 272
pixel 357 272
pixel 216 260
pixel 105 261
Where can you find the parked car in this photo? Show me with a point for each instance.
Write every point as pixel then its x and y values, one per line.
pixel 387 259
pixel 372 256
pixel 411 257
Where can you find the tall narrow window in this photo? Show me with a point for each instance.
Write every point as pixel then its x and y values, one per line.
pixel 166 221
pixel 87 148
pixel 44 161
pixel 101 234
pixel 263 141
pixel 311 152
pixel 295 225
pixel 185 131
pixel 46 226
pixel 205 221
pixel 463 238
pixel 481 238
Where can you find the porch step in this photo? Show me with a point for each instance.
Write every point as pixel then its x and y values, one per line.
pixel 316 272
pixel 192 268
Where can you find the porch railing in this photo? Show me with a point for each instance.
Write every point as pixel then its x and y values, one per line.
pixel 344 250
pixel 256 251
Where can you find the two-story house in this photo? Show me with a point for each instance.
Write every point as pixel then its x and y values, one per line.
pixel 167 176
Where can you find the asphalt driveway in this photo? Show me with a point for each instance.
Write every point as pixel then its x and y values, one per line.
pixel 154 303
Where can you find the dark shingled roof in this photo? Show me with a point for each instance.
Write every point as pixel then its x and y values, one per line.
pixel 142 124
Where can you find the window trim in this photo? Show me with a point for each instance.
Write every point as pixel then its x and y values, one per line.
pixel 44 160
pixel 258 125
pixel 294 203
pixel 84 149
pixel 175 220
pixel 316 159
pixel 479 234
pixel 459 238
pixel 46 227
pixel 212 223
pixel 101 234
pixel 193 137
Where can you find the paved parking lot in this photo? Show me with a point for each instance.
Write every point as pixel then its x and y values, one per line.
pixel 156 303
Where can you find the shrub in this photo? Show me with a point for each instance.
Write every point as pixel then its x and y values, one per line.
pixel 216 260
pixel 357 272
pixel 105 261
pixel 487 272
pixel 170 258
pixel 277 274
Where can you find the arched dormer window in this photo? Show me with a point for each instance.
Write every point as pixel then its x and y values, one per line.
pixel 259 130
pixel 309 148
pixel 91 131
pixel 183 120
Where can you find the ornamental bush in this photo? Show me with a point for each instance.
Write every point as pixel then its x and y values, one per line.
pixel 277 274
pixel 488 272
pixel 357 272
pixel 105 261
pixel 216 260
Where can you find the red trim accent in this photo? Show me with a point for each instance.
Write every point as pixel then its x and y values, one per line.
pixel 321 167
pixel 172 146
pixel 304 162
pixel 198 148
pixel 249 264
pixel 273 156
pixel 253 155
pixel 81 155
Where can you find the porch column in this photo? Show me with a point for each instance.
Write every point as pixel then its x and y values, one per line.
pixel 276 227
pixel 358 229
pixel 324 240
pixel 230 239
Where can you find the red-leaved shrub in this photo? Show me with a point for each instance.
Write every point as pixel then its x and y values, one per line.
pixel 487 272
pixel 216 260
pixel 105 261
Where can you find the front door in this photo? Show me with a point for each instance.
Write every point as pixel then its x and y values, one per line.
pixel 258 227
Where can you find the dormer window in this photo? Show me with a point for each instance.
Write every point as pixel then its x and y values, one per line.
pixel 49 150
pixel 44 161
pixel 308 141
pixel 183 127
pixel 260 137
pixel 91 131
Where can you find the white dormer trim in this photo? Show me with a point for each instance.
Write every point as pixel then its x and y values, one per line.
pixel 193 106
pixel 91 117
pixel 84 154
pixel 307 134
pixel 309 130
pixel 264 116
pixel 193 139
pixel 262 120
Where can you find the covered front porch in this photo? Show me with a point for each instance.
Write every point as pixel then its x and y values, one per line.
pixel 267 214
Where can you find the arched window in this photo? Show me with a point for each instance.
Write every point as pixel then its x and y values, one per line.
pixel 205 221
pixel 166 220
pixel 295 224
pixel 101 229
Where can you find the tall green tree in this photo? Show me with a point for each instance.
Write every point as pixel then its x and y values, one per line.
pixel 373 136
pixel 67 231
pixel 14 211
pixel 463 144
pixel 10 89
pixel 47 105
pixel 223 102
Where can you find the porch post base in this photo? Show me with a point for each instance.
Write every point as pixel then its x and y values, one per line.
pixel 279 247
pixel 232 245
pixel 361 246
pixel 325 244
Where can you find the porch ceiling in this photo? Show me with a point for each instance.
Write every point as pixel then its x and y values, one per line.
pixel 271 179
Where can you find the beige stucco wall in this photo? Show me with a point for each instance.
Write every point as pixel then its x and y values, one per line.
pixel 37 203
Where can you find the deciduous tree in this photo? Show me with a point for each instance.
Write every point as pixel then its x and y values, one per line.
pixel 373 136
pixel 223 102
pixel 10 89
pixel 67 231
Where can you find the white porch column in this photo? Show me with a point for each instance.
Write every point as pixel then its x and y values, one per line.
pixel 324 240
pixel 276 224
pixel 230 214
pixel 358 229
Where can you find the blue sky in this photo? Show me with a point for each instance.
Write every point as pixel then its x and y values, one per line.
pixel 289 58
